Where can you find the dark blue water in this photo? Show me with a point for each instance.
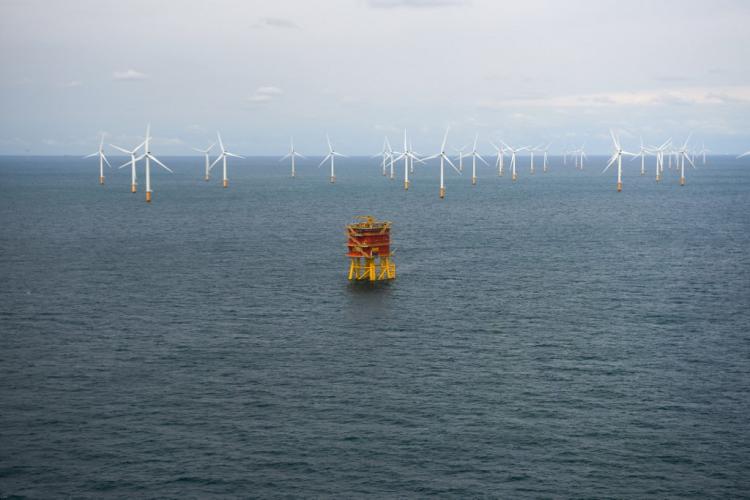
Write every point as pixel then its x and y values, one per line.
pixel 548 338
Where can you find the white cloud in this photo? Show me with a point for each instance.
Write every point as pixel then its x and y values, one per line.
pixel 129 75
pixel 276 22
pixel 675 96
pixel 72 84
pixel 265 94
pixel 416 3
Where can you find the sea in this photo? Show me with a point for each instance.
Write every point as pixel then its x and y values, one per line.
pixel 544 338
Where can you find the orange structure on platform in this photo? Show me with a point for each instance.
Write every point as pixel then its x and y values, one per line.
pixel 369 245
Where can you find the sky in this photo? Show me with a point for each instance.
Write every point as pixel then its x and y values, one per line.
pixel 261 71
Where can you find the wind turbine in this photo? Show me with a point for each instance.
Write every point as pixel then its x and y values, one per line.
pixel 332 155
pixel 659 152
pixel 703 152
pixel 683 155
pixel 500 159
pixel 460 152
pixel 544 163
pixel 223 157
pixel 513 174
pixel 149 157
pixel 642 154
pixel 443 158
pixel 131 163
pixel 474 155
pixel 384 155
pixel 617 156
pixel 532 151
pixel 102 159
pixel 292 153
pixel 205 153
pixel 581 155
pixel 409 157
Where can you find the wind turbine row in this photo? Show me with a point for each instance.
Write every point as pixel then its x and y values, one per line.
pixel 389 157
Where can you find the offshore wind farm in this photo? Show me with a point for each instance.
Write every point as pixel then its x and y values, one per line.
pixel 388 249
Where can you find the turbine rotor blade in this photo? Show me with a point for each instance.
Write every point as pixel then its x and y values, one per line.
pixel 156 160
pixel 611 161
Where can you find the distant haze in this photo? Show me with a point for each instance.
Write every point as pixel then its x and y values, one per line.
pixel 527 72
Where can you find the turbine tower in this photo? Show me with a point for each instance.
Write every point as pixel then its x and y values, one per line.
pixel 617 156
pixel 205 153
pixel 223 157
pixel 131 162
pixel 443 158
pixel 642 154
pixel 149 157
pixel 683 155
pixel 499 162
pixel 292 154
pixel 409 156
pixel 513 174
pixel 474 155
pixel 102 159
pixel 703 152
pixel 332 155
pixel 659 152
pixel 532 151
pixel 544 163
pixel 384 155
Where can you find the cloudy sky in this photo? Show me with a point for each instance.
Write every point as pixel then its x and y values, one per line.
pixel 527 72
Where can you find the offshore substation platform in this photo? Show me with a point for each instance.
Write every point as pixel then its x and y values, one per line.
pixel 369 245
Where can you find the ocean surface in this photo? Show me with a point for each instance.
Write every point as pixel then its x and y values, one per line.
pixel 545 338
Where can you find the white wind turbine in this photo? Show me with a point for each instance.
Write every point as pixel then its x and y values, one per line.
pixel 659 152
pixel 460 152
pixel 500 160
pixel 443 158
pixel 384 155
pixel 544 163
pixel 474 155
pixel 205 153
pixel 102 159
pixel 332 155
pixel 513 152
pixel 580 156
pixel 642 155
pixel 617 156
pixel 391 161
pixel 149 157
pixel 223 157
pixel 533 150
pixel 703 152
pixel 684 154
pixel 409 156
pixel 292 154
pixel 131 162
